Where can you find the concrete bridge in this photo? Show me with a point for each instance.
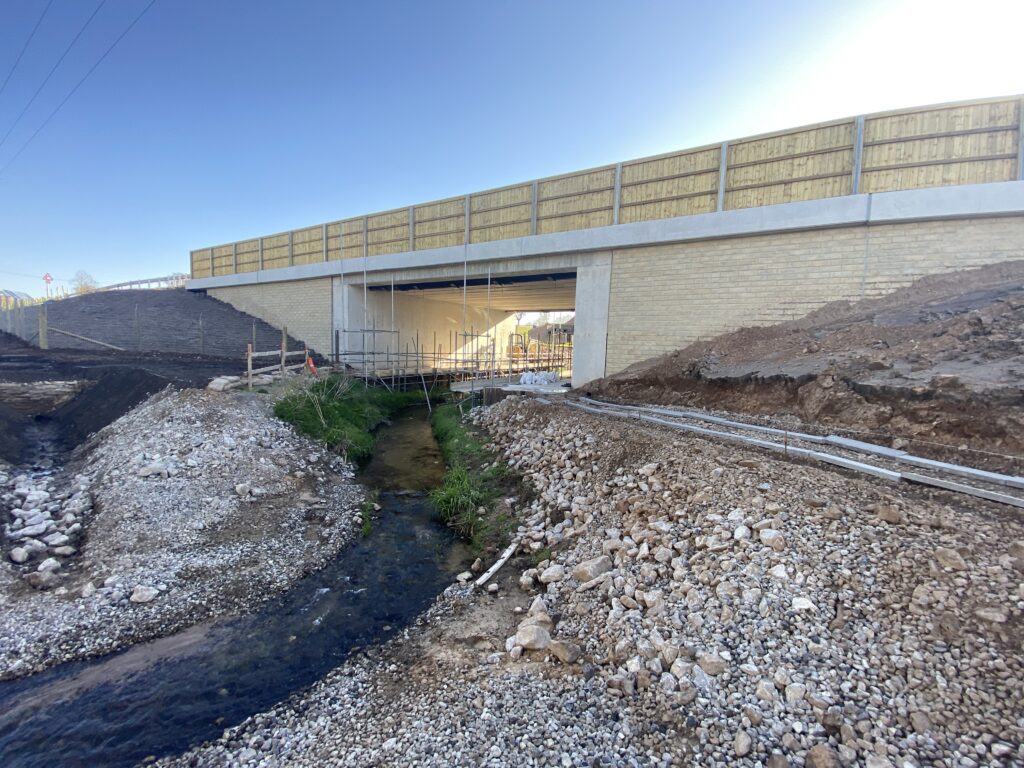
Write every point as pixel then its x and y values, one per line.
pixel 651 254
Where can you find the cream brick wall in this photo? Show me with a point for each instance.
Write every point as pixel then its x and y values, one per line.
pixel 303 306
pixel 665 297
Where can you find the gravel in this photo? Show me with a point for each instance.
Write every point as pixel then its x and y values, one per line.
pixel 655 635
pixel 145 531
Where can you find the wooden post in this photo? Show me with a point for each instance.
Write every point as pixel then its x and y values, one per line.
pixel 44 338
pixel 253 335
pixel 284 347
pixel 248 364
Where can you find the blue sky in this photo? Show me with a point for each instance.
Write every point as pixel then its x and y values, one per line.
pixel 215 120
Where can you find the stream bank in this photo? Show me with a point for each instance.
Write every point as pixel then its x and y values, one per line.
pixel 161 697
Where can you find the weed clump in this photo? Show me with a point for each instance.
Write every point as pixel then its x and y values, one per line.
pixel 341 412
pixel 472 483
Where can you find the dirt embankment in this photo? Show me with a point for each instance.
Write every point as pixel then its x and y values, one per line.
pixel 937 366
pixel 168 321
pixel 107 384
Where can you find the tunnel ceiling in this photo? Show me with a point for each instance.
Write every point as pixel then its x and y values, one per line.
pixel 519 293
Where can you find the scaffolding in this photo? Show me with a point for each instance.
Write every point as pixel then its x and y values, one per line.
pixel 386 356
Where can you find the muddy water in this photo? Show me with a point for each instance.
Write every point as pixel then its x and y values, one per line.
pixel 162 697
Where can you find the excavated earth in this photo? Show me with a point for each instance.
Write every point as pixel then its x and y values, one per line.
pixel 74 393
pixel 678 601
pixel 937 367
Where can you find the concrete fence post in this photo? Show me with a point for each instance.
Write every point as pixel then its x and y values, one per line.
pixel 260 265
pixel 723 168
pixel 234 258
pixel 291 249
pixel 618 193
pixel 284 347
pixel 466 216
pixel 858 152
pixel 1020 140
pixel 44 336
pixel 533 210
pixel 248 364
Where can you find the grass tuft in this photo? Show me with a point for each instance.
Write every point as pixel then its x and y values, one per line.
pixel 341 412
pixel 473 482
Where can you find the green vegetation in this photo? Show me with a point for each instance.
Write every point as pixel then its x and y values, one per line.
pixel 341 412
pixel 541 555
pixel 473 481
pixel 366 513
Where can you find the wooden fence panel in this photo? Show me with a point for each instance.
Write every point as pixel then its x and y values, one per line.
pixel 308 245
pixel 944 146
pixel 248 253
pixel 576 201
pixel 201 263
pixel 679 184
pixel 440 224
pixel 334 241
pixel 275 251
pixel 963 143
pixel 352 244
pixel 387 232
pixel 223 260
pixel 501 213
pixel 805 164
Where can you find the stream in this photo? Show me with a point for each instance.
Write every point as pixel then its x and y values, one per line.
pixel 165 696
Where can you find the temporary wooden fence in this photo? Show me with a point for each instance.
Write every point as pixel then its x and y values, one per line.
pixel 961 143
pixel 282 354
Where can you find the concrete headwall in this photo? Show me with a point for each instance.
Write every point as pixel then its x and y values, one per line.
pixel 303 306
pixel 665 297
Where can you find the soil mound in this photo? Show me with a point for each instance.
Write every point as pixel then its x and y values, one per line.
pixel 939 362
pixel 9 343
pixel 111 396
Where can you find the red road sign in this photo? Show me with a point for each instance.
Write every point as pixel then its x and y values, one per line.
pixel 47 278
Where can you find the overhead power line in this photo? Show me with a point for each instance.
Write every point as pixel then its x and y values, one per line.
pixel 43 84
pixel 78 85
pixel 24 48
pixel 38 277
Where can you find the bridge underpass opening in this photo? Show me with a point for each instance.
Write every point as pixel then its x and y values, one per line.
pixel 471 327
